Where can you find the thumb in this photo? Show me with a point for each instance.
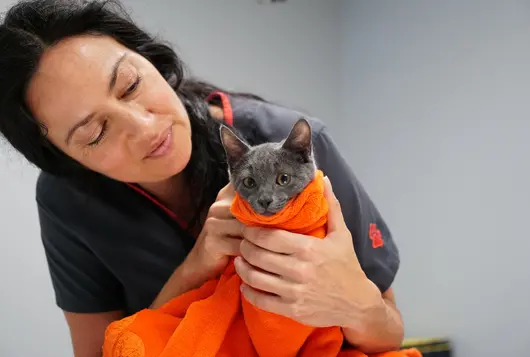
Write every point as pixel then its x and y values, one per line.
pixel 335 218
pixel 226 192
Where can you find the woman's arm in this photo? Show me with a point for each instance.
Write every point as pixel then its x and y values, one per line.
pixel 88 331
pixel 181 281
pixel 380 328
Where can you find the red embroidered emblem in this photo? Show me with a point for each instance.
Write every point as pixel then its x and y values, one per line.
pixel 375 236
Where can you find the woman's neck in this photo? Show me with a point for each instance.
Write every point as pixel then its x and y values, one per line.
pixel 173 193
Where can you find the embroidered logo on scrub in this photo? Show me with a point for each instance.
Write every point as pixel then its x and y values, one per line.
pixel 375 236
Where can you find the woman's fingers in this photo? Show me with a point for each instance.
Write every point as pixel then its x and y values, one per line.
pixel 226 192
pixel 279 241
pixel 336 221
pixel 219 227
pixel 230 246
pixel 223 236
pixel 287 266
pixel 264 281
pixel 221 210
pixel 221 207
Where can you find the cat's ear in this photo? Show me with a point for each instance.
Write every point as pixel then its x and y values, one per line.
pixel 234 147
pixel 299 139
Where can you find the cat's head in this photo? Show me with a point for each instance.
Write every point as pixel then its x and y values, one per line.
pixel 268 175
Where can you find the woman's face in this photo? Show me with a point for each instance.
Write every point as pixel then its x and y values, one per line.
pixel 110 109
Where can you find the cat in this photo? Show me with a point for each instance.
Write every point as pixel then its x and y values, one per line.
pixel 269 175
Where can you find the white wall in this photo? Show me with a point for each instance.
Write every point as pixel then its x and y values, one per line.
pixel 287 52
pixel 436 119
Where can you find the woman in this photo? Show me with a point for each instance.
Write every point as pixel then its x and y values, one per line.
pixel 134 198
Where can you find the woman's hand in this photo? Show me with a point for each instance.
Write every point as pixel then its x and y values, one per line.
pixel 313 281
pixel 219 239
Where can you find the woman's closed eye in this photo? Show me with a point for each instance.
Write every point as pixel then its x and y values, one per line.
pixel 132 88
pixel 103 129
pixel 100 135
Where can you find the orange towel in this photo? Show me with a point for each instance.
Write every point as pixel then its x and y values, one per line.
pixel 214 320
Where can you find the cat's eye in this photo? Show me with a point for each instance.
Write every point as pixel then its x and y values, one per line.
pixel 249 182
pixel 283 179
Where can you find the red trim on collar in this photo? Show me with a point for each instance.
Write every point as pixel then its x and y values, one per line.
pixel 229 119
pixel 227 107
pixel 171 214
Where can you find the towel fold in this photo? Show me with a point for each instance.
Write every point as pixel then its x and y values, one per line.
pixel 216 321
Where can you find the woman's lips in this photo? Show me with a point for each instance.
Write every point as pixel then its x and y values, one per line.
pixel 164 146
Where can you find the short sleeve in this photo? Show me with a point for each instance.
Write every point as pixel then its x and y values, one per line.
pixel 372 239
pixel 81 282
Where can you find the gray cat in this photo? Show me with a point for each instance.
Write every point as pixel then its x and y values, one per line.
pixel 268 175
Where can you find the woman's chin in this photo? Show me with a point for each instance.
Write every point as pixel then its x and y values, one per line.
pixel 173 165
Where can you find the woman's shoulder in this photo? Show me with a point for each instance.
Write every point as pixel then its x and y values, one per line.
pixel 61 194
pixel 66 212
pixel 85 206
pixel 57 194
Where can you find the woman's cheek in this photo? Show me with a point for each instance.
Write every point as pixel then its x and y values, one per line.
pixel 161 98
pixel 162 101
pixel 111 162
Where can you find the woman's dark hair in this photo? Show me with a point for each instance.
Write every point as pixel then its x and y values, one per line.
pixel 30 27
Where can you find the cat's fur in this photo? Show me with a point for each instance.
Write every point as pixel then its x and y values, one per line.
pixel 279 171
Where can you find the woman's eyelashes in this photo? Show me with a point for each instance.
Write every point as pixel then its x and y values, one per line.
pixel 132 88
pixel 128 91
pixel 101 134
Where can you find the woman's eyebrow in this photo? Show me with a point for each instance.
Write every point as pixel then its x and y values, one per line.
pixel 112 83
pixel 83 122
pixel 114 75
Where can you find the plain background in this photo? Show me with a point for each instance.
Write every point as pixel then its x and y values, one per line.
pixel 429 102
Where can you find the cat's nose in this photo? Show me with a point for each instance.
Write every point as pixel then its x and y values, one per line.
pixel 265 202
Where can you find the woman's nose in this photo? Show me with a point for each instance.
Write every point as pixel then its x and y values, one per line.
pixel 141 129
pixel 139 121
